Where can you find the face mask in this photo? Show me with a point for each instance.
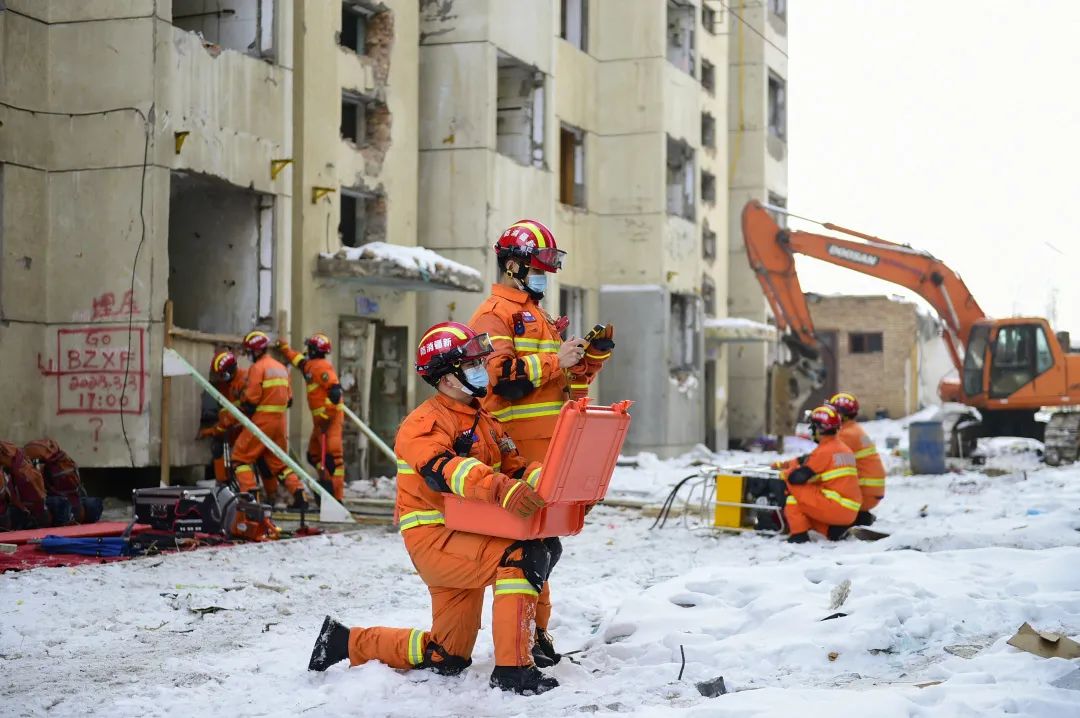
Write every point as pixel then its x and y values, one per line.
pixel 477 376
pixel 536 283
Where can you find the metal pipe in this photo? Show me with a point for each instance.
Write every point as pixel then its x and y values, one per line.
pixel 330 509
pixel 370 434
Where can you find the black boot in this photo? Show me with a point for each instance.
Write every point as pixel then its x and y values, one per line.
pixel 837 533
pixel 865 518
pixel 526 680
pixel 802 537
pixel 543 652
pixel 332 646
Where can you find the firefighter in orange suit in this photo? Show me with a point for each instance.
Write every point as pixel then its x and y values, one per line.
pixel 823 486
pixel 867 461
pixel 229 379
pixel 324 393
pixel 450 445
pixel 532 371
pixel 266 399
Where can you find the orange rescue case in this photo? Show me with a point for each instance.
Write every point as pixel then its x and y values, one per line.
pixel 577 469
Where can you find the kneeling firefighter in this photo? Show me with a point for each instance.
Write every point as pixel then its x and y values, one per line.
pixel 822 486
pixel 867 461
pixel 449 445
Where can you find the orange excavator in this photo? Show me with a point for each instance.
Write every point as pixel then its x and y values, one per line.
pixel 1008 369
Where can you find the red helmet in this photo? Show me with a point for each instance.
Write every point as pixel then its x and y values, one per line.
pixel 256 341
pixel 846 404
pixel 528 239
pixel 824 420
pixel 224 364
pixel 318 343
pixel 445 347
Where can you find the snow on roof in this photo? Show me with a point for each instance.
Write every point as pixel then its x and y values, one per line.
pixel 400 266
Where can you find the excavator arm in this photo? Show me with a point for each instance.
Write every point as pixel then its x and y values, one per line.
pixel 771 251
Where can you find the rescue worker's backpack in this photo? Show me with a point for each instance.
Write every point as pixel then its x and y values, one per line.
pixel 22 504
pixel 62 480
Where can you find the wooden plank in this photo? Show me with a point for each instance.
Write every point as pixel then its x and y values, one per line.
pixel 234 340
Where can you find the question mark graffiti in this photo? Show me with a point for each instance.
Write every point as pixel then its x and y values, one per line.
pixel 97 422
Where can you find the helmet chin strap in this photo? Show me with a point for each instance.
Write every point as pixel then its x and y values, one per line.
pixel 520 275
pixel 478 392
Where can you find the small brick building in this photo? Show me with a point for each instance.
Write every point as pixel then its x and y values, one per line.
pixel 877 344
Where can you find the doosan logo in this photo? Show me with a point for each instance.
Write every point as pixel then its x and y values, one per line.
pixel 853 255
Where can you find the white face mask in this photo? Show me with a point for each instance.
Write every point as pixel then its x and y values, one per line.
pixel 537 283
pixel 477 376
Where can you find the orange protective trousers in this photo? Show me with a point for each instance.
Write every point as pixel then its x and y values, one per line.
pixel 334 451
pixel 807 508
pixel 249 450
pixel 457 567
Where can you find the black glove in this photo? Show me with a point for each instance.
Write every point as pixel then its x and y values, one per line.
pixel 803 458
pixel 800 476
pixel 248 408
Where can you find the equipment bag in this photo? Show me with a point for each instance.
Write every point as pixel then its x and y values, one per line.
pixel 62 480
pixel 25 490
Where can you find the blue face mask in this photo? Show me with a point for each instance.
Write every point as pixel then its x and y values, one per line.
pixel 476 376
pixel 537 283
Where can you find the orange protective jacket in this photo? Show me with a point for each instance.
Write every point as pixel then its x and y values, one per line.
pixel 835 475
pixel 867 461
pixel 234 392
pixel 527 386
pixel 321 378
pixel 268 391
pixel 428 464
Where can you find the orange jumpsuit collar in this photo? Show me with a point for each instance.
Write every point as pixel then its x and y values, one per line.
pixel 519 296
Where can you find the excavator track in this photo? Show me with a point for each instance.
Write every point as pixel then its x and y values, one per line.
pixel 1062 439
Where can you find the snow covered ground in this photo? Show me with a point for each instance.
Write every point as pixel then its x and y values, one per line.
pixel 228 632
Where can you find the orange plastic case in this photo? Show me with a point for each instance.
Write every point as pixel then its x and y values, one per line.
pixel 577 469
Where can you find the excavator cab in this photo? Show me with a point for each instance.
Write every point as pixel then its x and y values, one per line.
pixel 1017 360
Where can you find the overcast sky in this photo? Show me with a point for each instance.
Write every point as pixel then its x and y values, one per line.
pixel 951 125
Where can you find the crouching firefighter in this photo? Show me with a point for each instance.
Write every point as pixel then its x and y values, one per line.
pixel 324 393
pixel 449 445
pixel 822 486
pixel 867 461
pixel 231 381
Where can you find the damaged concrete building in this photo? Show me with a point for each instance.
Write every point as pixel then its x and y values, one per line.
pixel 757 144
pixel 180 172
pixel 605 118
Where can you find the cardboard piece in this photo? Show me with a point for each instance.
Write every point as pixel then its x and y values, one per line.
pixel 1044 643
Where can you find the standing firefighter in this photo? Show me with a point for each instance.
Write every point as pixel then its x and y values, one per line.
pixel 229 379
pixel 867 460
pixel 449 445
pixel 823 486
pixel 324 392
pixel 533 372
pixel 266 400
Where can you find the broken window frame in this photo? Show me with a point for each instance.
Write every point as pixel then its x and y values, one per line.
pixel 531 108
pixel 357 197
pixel 681 174
pixel 574 26
pixel 684 330
pixel 777 92
pixel 708 130
pixel 708 187
pixel 362 122
pixel 708 76
pixel 681 30
pixel 708 242
pixel 262 44
pixel 361 13
pixel 708 295
pixel 571 166
pixel 708 17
